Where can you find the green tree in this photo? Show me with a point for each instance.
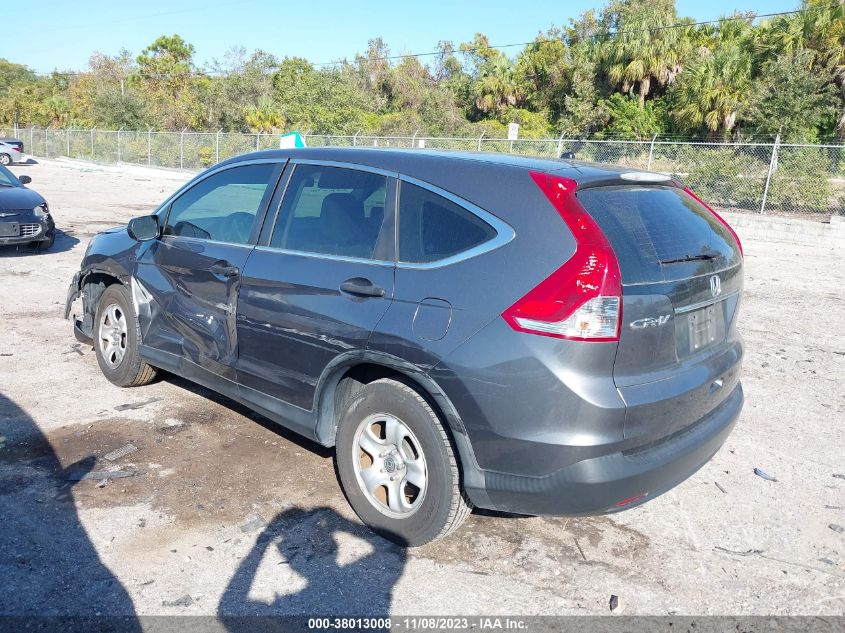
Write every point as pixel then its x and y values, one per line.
pixel 105 97
pixel 264 116
pixel 543 71
pixel 238 83
pixel 167 75
pixel 716 85
pixel 790 99
pixel 645 51
pixel 627 119
pixel 17 87
pixel 328 101
pixel 57 110
pixel 825 33
pixel 583 111
pixel 11 74
pixel 494 86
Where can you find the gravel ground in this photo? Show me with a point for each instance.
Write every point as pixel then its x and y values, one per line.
pixel 227 514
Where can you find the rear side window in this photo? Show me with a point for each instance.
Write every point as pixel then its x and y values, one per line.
pixel 432 227
pixel 654 230
pixel 331 211
pixel 223 207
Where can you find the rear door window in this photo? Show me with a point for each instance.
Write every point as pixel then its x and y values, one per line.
pixel 659 233
pixel 222 207
pixel 332 211
pixel 432 228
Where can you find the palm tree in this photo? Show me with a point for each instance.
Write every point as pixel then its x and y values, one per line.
pixel 645 51
pixel 781 35
pixel 819 27
pixel 715 86
pixel 824 32
pixel 264 117
pixel 496 87
pixel 57 109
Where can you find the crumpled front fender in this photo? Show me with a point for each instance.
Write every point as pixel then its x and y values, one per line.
pixel 73 293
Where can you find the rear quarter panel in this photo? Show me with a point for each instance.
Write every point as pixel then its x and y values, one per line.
pixel 520 396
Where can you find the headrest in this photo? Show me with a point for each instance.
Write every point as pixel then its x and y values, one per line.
pixel 342 218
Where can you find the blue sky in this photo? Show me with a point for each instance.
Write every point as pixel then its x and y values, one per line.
pixel 59 34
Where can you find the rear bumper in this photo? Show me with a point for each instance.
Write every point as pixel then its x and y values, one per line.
pixel 14 155
pixel 598 485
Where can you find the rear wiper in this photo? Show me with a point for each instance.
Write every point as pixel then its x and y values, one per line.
pixel 690 258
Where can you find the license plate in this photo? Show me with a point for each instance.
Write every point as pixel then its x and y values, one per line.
pixel 706 326
pixel 10 229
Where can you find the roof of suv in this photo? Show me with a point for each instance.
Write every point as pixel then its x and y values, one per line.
pixel 584 173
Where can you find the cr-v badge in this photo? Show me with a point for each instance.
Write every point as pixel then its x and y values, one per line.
pixel 641 324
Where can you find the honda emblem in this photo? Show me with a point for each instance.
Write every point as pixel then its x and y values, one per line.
pixel 715 285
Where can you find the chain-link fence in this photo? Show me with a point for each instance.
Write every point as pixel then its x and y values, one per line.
pixel 768 178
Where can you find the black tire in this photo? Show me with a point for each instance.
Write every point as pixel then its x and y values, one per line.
pixel 5 159
pixel 130 370
pixel 47 244
pixel 443 507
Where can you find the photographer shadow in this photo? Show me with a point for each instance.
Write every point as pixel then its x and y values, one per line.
pixel 49 568
pixel 314 563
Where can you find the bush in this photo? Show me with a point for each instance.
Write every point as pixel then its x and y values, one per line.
pixel 725 177
pixel 206 156
pixel 801 182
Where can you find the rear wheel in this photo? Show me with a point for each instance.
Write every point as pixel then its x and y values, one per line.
pixel 116 337
pixel 397 465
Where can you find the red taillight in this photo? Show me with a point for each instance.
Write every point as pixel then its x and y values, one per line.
pixel 718 217
pixel 582 299
pixel 630 500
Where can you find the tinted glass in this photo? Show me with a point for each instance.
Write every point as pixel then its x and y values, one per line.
pixel 223 207
pixel 331 210
pixel 433 228
pixel 654 229
pixel 7 178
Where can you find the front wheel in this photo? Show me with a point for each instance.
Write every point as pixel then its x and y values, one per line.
pixel 116 337
pixel 47 244
pixel 5 159
pixel 397 465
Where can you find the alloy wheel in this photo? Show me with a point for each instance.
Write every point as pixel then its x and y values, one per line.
pixel 389 465
pixel 113 335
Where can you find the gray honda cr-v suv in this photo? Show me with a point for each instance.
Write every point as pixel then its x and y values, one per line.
pixel 533 336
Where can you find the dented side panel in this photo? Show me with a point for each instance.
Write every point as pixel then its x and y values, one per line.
pixel 186 291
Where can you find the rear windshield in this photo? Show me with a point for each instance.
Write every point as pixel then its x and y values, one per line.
pixel 659 233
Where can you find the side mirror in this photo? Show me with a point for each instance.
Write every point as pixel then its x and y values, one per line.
pixel 24 180
pixel 144 228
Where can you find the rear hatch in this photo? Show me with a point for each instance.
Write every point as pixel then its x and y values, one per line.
pixel 678 354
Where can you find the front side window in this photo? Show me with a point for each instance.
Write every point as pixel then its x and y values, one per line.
pixel 331 211
pixel 223 207
pixel 432 227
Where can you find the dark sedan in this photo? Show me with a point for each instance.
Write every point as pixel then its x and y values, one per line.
pixel 24 215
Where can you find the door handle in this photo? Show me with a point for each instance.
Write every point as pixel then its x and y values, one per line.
pixel 361 287
pixel 224 269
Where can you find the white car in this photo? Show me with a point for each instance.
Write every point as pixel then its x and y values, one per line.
pixel 10 154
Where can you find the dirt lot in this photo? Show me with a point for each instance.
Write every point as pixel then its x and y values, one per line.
pixel 228 514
